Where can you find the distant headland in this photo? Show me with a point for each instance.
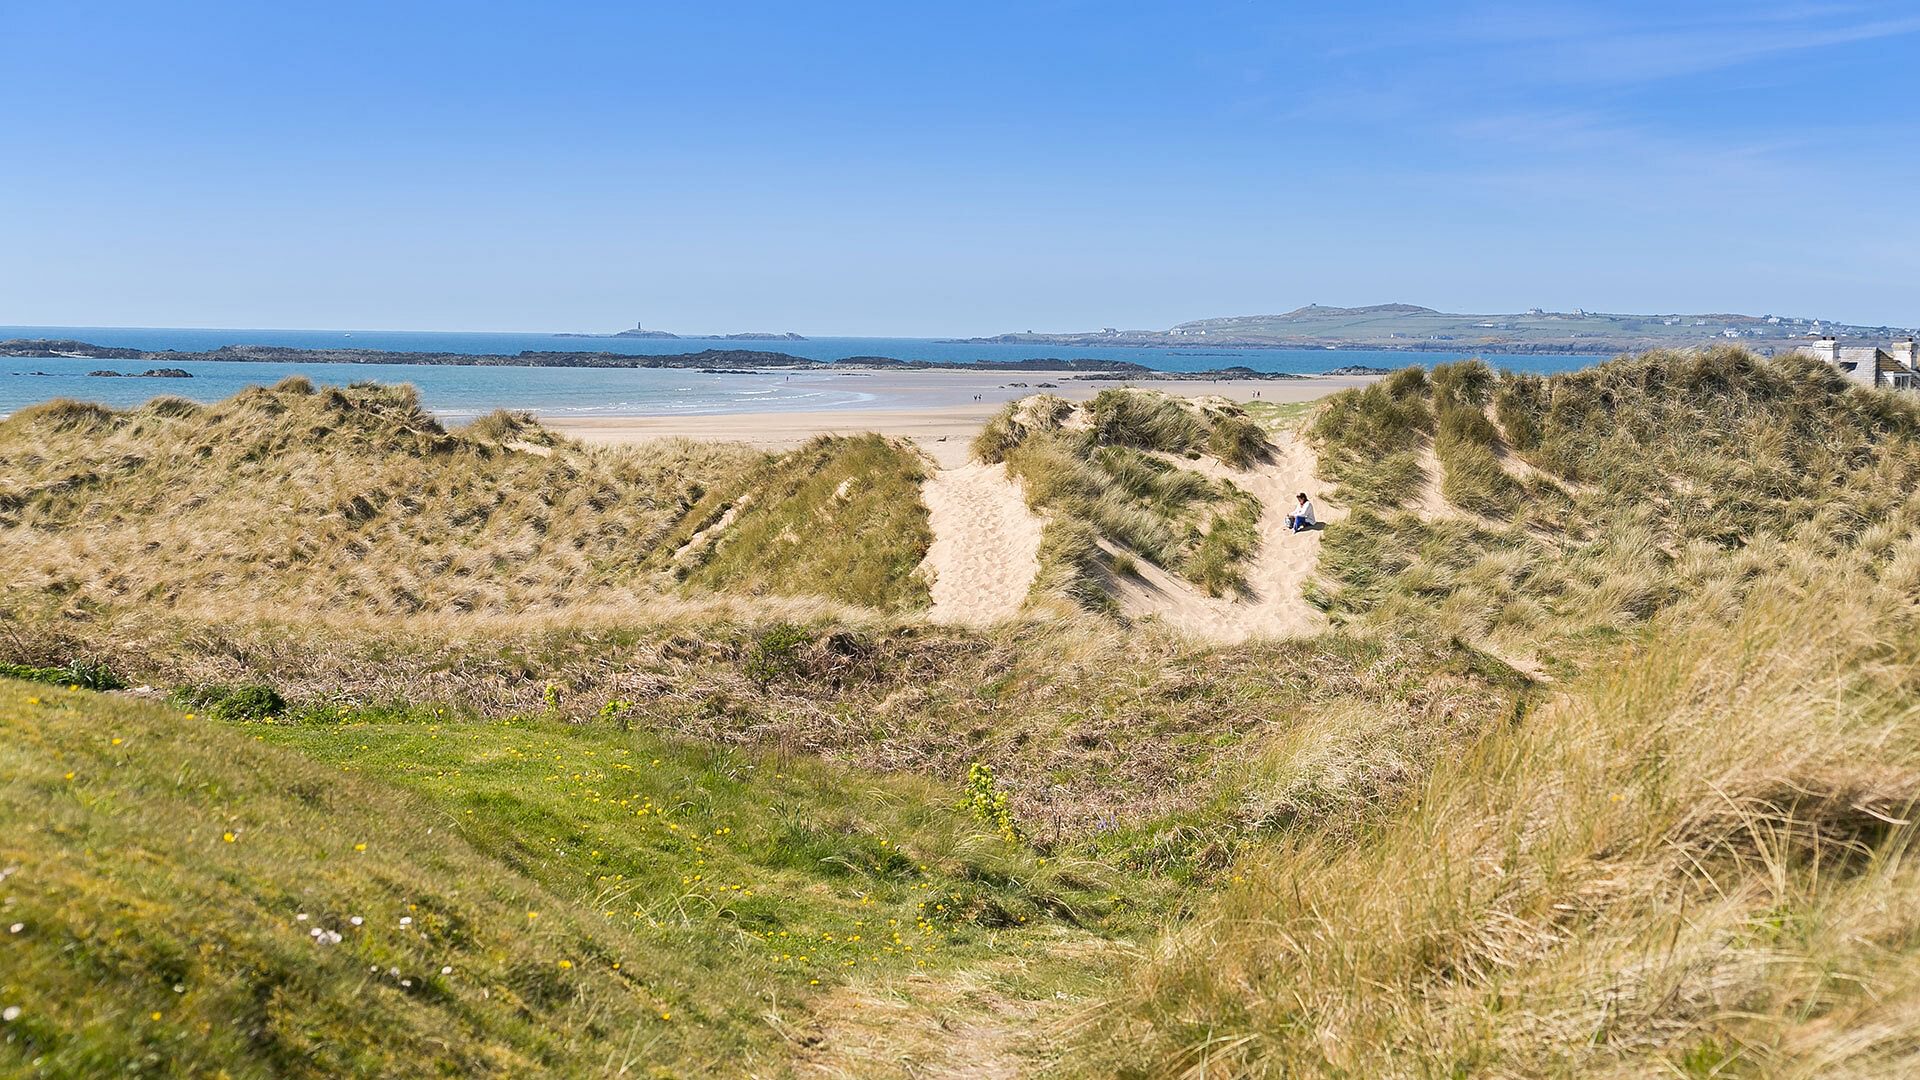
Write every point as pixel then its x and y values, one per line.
pixel 1411 328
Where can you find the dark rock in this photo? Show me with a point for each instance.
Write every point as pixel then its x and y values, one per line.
pixel 150 373
pixel 62 347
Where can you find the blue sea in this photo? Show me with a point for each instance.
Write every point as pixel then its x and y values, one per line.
pixel 455 391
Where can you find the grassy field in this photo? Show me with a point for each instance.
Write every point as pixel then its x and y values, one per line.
pixel 424 893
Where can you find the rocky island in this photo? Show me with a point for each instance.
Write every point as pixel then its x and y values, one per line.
pixel 150 373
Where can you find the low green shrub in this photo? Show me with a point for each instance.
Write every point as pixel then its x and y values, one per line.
pixel 230 703
pixel 86 674
pixel 776 652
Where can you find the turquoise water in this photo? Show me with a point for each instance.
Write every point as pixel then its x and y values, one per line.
pixel 456 391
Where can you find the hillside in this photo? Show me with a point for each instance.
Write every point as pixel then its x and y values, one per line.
pixel 1589 744
pixel 1541 515
pixel 1411 327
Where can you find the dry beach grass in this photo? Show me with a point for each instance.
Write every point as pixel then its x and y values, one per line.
pixel 1598 755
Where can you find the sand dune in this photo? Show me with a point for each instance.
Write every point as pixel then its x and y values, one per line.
pixel 1277 575
pixel 984 553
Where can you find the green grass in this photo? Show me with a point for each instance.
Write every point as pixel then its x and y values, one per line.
pixel 839 518
pixel 603 899
pixel 79 674
pixel 1468 445
pixel 1278 416
pixel 1144 421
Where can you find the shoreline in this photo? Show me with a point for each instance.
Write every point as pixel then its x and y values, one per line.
pixel 939 420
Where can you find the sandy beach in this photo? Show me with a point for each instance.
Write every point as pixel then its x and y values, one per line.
pixel 934 408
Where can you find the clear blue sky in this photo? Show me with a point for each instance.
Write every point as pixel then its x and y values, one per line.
pixel 914 169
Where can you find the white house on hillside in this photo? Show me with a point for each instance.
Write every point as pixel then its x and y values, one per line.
pixel 1896 366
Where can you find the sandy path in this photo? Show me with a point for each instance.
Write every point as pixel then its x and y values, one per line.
pixel 1278 573
pixel 986 544
pixel 1428 502
pixel 983 1021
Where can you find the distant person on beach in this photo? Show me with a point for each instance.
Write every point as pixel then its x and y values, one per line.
pixel 1302 516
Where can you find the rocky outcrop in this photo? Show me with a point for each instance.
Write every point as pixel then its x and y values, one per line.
pixel 61 347
pixel 150 373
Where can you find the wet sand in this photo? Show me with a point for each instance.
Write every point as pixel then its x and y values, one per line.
pixel 934 408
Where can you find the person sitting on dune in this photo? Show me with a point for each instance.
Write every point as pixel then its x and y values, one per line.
pixel 1302 516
